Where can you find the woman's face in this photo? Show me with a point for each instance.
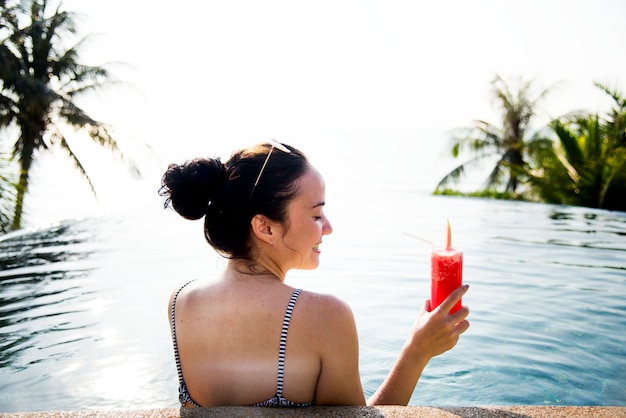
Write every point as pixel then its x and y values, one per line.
pixel 306 223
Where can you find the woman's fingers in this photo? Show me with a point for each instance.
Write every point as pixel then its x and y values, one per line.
pixel 453 298
pixel 426 306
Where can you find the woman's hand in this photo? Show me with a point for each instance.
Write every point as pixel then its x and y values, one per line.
pixel 432 334
pixel 438 331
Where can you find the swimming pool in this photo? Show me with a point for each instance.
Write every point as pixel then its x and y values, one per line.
pixel 83 315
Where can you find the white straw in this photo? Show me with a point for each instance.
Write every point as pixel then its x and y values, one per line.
pixel 419 238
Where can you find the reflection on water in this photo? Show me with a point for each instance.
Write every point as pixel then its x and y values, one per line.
pixel 83 316
pixel 40 278
pixel 58 243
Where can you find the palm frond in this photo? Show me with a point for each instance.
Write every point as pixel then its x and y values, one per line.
pixel 457 173
pixel 616 120
pixel 452 177
pixel 614 93
pixel 496 176
pixel 569 143
pixel 77 164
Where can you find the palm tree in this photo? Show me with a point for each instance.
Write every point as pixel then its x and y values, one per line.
pixel 508 141
pixel 40 79
pixel 586 166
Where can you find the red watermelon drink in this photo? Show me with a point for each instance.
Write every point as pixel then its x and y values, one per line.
pixel 446 276
pixel 446 273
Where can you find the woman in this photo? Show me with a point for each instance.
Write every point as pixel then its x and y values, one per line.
pixel 251 339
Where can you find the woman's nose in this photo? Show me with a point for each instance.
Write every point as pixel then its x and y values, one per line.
pixel 327 228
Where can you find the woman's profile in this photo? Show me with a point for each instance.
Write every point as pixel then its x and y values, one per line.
pixel 249 338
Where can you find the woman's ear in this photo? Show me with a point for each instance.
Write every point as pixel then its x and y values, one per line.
pixel 263 229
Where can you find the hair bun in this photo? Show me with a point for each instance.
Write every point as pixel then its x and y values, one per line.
pixel 194 186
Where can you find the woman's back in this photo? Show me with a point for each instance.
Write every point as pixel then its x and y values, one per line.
pixel 228 339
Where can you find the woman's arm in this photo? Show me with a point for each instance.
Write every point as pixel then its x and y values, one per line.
pixel 432 334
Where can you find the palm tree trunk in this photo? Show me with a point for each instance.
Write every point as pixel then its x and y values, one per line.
pixel 515 160
pixel 26 161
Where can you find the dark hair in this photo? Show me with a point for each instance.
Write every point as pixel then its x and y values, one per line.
pixel 226 195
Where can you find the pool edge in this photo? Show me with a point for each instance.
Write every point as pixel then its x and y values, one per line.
pixel 344 411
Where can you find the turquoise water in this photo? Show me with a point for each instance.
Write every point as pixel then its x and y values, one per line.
pixel 83 315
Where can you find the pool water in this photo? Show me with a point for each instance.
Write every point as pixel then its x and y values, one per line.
pixel 83 303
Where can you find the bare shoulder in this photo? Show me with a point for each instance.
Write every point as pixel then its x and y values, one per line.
pixel 186 295
pixel 326 311
pixel 321 304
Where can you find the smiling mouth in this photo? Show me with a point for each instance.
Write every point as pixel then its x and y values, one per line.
pixel 317 247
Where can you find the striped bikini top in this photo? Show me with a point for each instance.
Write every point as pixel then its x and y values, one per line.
pixel 277 400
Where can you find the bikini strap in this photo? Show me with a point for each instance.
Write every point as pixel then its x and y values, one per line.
pixel 283 342
pixel 183 394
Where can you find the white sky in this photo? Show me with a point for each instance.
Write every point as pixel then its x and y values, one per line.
pixel 204 77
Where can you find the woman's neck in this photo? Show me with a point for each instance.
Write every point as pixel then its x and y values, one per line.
pixel 261 270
